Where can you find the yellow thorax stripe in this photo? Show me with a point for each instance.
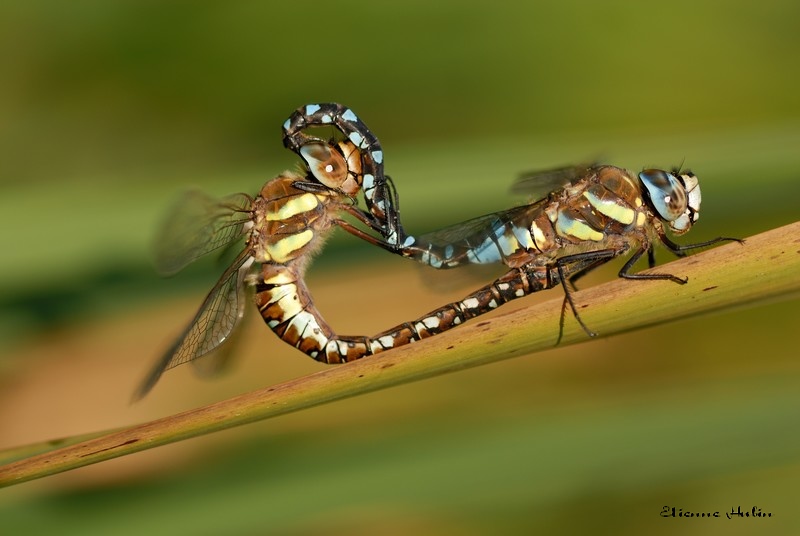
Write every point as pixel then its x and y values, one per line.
pixel 296 205
pixel 611 208
pixel 285 249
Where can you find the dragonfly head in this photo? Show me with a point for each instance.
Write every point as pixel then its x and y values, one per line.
pixel 336 166
pixel 675 197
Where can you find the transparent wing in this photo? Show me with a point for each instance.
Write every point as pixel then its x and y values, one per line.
pixel 472 231
pixel 539 184
pixel 461 244
pixel 213 324
pixel 196 225
pixel 221 359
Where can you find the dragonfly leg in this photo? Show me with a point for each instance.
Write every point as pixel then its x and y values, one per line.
pixel 393 214
pixel 625 271
pixel 370 222
pixel 571 268
pixel 651 258
pixel 680 250
pixel 358 233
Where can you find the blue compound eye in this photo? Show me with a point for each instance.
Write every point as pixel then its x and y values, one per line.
pixel 667 194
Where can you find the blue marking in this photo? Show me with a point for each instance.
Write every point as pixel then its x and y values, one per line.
pixel 286 124
pixel 564 223
pixel 448 251
pixel 522 235
pixel 486 253
pixel 377 156
pixel 327 118
pixel 409 241
pixel 349 116
pixel 311 109
pixel 357 139
pixel 369 182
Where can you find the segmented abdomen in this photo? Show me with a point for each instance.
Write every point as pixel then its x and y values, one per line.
pixel 287 308
pixel 376 190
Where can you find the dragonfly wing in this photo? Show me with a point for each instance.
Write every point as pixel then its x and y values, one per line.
pixel 196 225
pixel 213 324
pixel 463 243
pixel 468 231
pixel 458 242
pixel 219 360
pixel 539 184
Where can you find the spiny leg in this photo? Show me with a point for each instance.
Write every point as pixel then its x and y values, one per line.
pixel 571 268
pixel 625 271
pixel 680 250
pixel 582 263
pixel 367 220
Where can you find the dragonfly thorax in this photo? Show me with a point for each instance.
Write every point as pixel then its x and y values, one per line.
pixel 287 221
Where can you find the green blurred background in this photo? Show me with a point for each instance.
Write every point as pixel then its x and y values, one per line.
pixel 109 109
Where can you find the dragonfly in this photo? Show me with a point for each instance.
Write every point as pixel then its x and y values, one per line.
pixel 589 215
pixel 592 215
pixel 282 227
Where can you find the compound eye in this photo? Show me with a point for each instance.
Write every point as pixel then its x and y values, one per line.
pixel 667 194
pixel 328 166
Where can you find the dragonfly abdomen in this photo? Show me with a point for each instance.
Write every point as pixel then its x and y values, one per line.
pixel 512 241
pixel 515 284
pixel 287 308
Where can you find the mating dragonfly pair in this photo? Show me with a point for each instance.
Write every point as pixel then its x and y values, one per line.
pixel 588 216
